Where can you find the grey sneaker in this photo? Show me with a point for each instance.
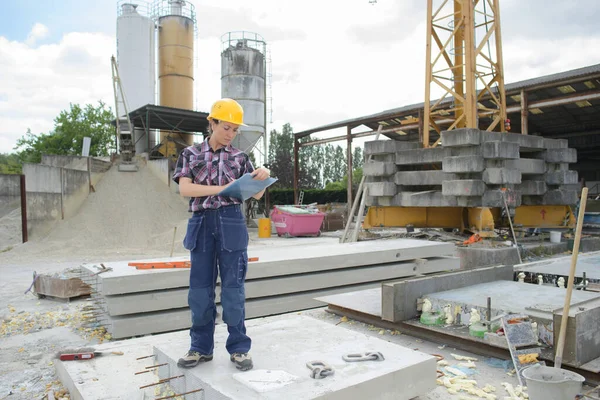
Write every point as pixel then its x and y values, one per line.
pixel 242 361
pixel 193 358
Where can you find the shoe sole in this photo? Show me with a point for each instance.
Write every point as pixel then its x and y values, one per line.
pixel 242 367
pixel 188 365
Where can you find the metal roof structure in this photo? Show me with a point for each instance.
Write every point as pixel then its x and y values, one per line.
pixel 168 118
pixel 559 105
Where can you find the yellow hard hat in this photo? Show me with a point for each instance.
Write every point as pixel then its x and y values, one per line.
pixel 227 110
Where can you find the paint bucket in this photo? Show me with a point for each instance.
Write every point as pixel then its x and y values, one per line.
pixel 264 227
pixel 555 236
pixel 552 383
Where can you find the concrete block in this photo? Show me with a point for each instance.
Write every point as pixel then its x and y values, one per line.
pixel 285 344
pixel 501 176
pixel 556 143
pixel 379 168
pixel 380 147
pixel 465 151
pixel 402 145
pixel 433 155
pixel 582 343
pixel 562 178
pixel 560 197
pixel 527 166
pixel 533 188
pixel 382 188
pixel 493 198
pixel 463 188
pixel 462 137
pixel 500 150
pixel 561 156
pixel 463 164
pixel 431 198
pixel 386 201
pixel 557 167
pixel 474 257
pixel 399 299
pixel 422 178
pixel 526 142
pixel 492 136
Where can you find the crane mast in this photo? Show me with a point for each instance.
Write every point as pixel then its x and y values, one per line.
pixel 464 67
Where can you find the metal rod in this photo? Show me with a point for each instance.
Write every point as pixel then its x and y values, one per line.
pixel 161 381
pixel 180 394
pixel 489 314
pixel 142 372
pixel 23 209
pixel 141 358
pixel 156 366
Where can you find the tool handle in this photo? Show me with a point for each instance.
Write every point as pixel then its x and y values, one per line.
pixel 76 356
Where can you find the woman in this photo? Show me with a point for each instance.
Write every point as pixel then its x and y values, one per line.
pixel 216 235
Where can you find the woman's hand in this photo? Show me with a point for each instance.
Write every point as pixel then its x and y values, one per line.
pixel 261 174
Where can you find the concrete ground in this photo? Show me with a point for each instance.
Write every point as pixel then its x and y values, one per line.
pixel 33 330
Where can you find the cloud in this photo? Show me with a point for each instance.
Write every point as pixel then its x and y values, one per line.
pixel 37 83
pixel 39 31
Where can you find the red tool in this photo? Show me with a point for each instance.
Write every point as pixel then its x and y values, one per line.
pixel 85 355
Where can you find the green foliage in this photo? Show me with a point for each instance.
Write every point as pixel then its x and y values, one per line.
pixel 320 196
pixel 10 164
pixel 281 156
pixel 70 127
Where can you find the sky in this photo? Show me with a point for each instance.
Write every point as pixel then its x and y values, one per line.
pixel 331 60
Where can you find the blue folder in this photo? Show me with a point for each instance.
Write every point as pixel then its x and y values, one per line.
pixel 246 187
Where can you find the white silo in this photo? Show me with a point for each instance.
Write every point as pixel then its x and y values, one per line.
pixel 243 78
pixel 136 61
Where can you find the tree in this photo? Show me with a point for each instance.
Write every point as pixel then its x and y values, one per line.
pixel 357 158
pixel 70 127
pixel 339 163
pixel 10 164
pixel 281 160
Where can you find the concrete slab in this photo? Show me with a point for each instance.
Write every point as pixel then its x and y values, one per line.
pixel 399 299
pixel 377 147
pixel 494 198
pixel 500 150
pixel 430 198
pixel 176 319
pixel 113 377
pixel 464 187
pixel 533 188
pixel 501 176
pixel 557 267
pixel 463 164
pixel 538 301
pixel 556 143
pixel 142 302
pixel 379 168
pixel 432 155
pixel 284 345
pixel 422 178
pixel 462 137
pixel 382 188
pixel 527 166
pixel 561 156
pixel 474 257
pixel 366 301
pixel 274 262
pixel 525 142
pixel 562 178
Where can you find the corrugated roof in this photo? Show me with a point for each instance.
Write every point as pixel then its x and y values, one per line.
pixel 516 86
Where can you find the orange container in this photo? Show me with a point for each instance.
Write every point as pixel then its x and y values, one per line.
pixel 264 227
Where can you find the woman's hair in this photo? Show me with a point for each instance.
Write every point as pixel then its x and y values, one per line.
pixel 216 121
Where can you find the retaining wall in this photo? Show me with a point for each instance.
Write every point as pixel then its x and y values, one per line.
pixel 10 193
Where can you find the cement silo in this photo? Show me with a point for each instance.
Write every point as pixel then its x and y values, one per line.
pixel 176 21
pixel 136 60
pixel 243 78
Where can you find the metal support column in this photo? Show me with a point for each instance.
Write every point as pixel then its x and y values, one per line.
pixel 524 113
pixel 296 169
pixel 349 161
pixel 23 209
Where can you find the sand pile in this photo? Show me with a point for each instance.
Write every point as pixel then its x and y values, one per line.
pixel 130 213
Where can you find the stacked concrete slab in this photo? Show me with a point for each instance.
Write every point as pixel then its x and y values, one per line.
pixel 472 168
pixel 136 302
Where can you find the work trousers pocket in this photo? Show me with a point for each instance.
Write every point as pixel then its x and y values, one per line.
pixel 234 234
pixel 190 241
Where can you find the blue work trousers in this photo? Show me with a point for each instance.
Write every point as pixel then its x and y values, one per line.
pixel 217 238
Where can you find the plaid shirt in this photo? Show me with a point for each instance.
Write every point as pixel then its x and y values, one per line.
pixel 207 167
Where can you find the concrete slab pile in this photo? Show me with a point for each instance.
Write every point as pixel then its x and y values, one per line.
pixel 472 168
pixel 136 302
